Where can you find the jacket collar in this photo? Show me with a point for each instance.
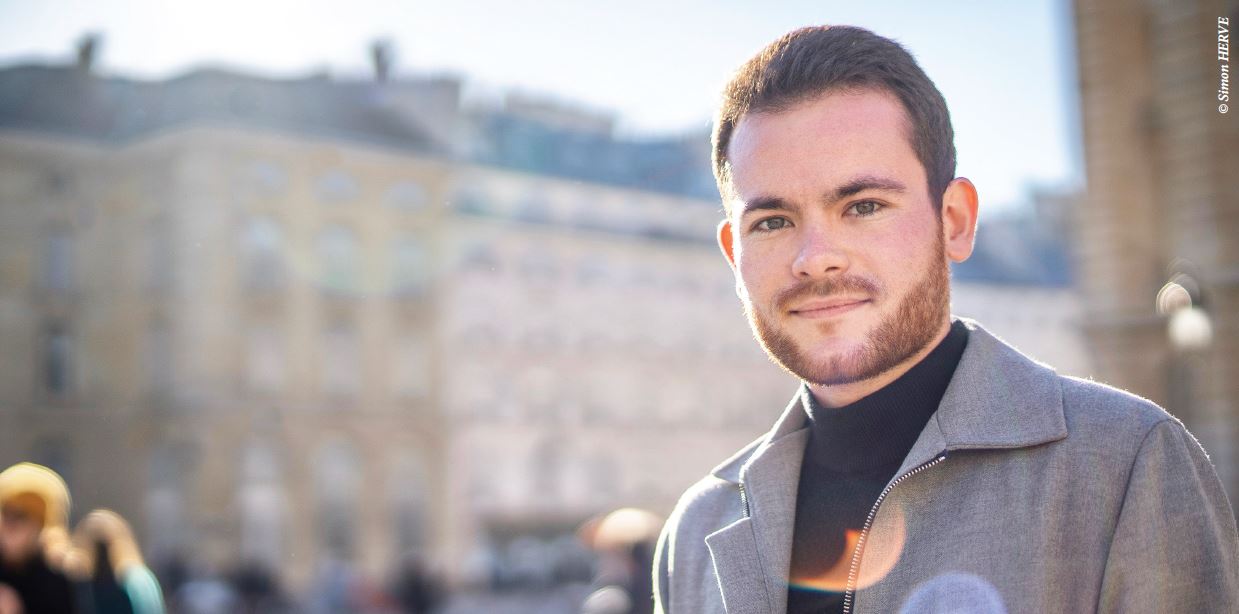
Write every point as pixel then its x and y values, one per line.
pixel 997 398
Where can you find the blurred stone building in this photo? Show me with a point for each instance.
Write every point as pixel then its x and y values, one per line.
pixel 290 321
pixel 1161 213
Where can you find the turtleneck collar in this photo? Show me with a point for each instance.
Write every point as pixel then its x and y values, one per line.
pixel 875 433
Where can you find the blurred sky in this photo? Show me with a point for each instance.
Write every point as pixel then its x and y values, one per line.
pixel 1005 67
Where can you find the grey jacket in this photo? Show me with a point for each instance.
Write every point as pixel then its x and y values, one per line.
pixel 1026 491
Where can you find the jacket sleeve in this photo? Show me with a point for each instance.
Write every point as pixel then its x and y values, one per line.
pixel 1175 547
pixel 662 571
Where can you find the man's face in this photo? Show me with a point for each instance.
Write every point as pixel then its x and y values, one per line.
pixel 836 244
pixel 19 534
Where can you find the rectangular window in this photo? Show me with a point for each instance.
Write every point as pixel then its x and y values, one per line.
pixel 57 362
pixel 264 360
pixel 58 260
pixel 341 362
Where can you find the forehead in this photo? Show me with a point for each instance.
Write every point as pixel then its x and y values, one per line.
pixel 821 142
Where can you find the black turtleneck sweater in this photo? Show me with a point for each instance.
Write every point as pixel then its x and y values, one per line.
pixel 853 451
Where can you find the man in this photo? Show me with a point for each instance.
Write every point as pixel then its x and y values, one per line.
pixel 923 465
pixel 34 513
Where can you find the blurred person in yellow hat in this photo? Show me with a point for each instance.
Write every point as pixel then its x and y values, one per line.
pixel 34 510
pixel 108 563
pixel 624 541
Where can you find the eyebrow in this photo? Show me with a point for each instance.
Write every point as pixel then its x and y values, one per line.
pixel 854 186
pixel 866 182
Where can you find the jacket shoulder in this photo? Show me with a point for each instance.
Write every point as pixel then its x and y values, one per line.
pixel 714 492
pixel 1109 413
pixel 710 504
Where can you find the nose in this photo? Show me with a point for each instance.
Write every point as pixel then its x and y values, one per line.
pixel 820 255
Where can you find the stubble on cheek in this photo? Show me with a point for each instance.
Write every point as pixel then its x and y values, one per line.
pixel 909 327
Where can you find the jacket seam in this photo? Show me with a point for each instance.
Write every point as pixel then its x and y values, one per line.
pixel 1131 470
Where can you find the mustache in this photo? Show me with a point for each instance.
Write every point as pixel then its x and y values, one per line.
pixel 825 288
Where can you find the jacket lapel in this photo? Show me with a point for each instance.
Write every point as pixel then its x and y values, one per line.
pixel 738 569
pixel 752 555
pixel 998 398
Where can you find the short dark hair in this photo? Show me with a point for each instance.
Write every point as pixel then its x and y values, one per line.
pixel 813 61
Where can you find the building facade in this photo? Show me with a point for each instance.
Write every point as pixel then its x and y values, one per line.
pixel 284 323
pixel 1161 212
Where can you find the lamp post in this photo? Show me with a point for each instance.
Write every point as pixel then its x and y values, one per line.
pixel 1189 329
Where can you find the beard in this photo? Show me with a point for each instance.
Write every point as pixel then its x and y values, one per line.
pixel 901 335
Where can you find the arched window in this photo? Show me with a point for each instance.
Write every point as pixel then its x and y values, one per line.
pixel 336 186
pixel 472 200
pixel 262 507
pixel 410 267
pixel 337 249
pixel 411 372
pixel 167 527
pixel 264 359
pixel 262 249
pixel 337 482
pixel 480 256
pixel 539 263
pixel 58 260
pixel 341 358
pixel 264 177
pixel 407 494
pixel 407 196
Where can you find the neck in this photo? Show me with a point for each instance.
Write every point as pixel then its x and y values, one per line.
pixel 845 394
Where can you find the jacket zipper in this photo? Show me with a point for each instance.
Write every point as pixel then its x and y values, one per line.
pixel 864 532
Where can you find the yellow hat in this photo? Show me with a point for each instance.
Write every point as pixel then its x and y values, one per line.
pixel 23 480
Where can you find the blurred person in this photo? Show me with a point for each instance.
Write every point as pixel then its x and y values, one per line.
pixel 10 602
pixel 415 588
pixel 108 563
pixel 923 464
pixel 257 588
pixel 205 593
pixel 624 542
pixel 34 509
pixel 335 586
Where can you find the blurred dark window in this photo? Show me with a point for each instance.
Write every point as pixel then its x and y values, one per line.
pixel 57 361
pixel 58 260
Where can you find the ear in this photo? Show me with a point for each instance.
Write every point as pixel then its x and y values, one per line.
pixel 959 218
pixel 725 242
